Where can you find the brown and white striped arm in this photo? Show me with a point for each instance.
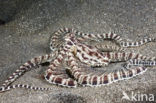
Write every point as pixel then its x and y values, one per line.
pixel 56 74
pixel 137 43
pixel 26 86
pixel 96 37
pixel 59 34
pixel 27 67
pixel 108 48
pixel 91 79
pixel 57 39
pixel 125 56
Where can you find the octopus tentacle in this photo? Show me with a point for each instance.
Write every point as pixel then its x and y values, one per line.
pixel 27 67
pixel 72 55
pixel 91 79
pixel 103 36
pixel 108 48
pixel 125 56
pixel 137 43
pixel 56 75
pixel 59 77
pixel 57 39
pixel 26 86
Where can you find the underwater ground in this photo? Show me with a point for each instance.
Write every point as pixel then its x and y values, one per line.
pixel 25 29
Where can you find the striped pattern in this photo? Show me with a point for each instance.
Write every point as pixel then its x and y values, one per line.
pixel 55 75
pixel 58 37
pixel 137 43
pixel 125 56
pixel 97 80
pixel 96 37
pixel 27 67
pixel 91 56
pixel 108 48
pixel 70 49
pixel 26 86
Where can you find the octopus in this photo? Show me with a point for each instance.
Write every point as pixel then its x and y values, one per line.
pixel 75 54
